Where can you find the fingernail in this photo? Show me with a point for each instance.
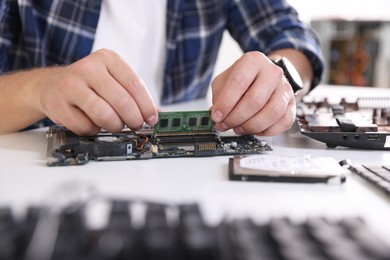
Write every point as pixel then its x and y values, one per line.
pixel 217 116
pixel 152 120
pixel 222 127
pixel 239 130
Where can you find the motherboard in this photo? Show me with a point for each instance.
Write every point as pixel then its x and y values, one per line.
pixel 176 134
pixel 363 123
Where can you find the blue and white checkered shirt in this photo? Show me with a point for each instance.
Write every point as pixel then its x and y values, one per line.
pixel 50 32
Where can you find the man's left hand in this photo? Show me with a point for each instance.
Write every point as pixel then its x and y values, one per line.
pixel 253 97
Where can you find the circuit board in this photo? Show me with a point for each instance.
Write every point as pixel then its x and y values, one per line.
pixel 363 123
pixel 184 122
pixel 176 134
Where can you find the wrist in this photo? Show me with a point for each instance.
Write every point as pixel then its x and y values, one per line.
pixel 32 85
pixel 290 72
pixel 18 106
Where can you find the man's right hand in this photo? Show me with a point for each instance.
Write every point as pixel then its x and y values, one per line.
pixel 98 91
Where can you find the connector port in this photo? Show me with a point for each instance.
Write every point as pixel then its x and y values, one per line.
pixel 373 137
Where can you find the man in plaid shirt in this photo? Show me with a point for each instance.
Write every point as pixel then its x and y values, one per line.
pixel 51 71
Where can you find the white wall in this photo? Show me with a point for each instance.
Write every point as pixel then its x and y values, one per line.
pixel 228 54
pixel 346 9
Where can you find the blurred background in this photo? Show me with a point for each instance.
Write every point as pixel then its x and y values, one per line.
pixel 354 36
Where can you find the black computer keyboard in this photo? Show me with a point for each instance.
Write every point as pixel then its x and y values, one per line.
pixel 45 234
pixel 378 175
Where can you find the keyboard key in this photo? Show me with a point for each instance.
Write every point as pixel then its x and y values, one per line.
pixel 379 171
pixel 294 241
pixel 8 233
pixel 334 240
pixel 71 242
pixel 199 241
pixel 26 230
pixel 249 242
pixel 118 239
pixel 377 175
pixel 366 240
pixel 159 239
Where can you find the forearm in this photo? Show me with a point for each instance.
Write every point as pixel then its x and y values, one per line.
pixel 19 100
pixel 301 63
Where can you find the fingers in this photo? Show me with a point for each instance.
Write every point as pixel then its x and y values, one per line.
pixel 73 104
pixel 107 103
pixel 254 100
pixel 99 91
pixel 284 123
pixel 114 95
pixel 261 101
pixel 61 112
pixel 233 83
pixel 137 102
pixel 98 110
pixel 276 116
pixel 78 122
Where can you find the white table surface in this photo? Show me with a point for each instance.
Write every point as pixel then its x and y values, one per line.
pixel 25 179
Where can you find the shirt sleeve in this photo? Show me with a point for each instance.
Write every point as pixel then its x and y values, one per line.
pixel 9 25
pixel 268 25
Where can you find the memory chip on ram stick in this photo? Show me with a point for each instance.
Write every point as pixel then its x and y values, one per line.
pixel 183 122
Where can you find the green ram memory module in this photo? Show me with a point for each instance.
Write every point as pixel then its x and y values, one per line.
pixel 183 122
